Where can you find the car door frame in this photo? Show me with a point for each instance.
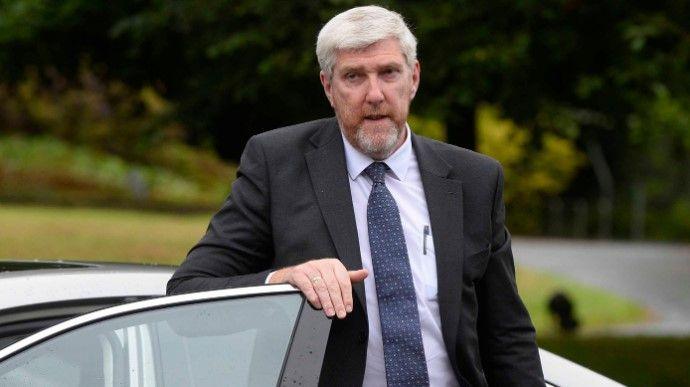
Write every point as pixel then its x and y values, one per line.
pixel 307 345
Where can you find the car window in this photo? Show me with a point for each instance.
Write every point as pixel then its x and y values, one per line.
pixel 238 342
pixel 17 323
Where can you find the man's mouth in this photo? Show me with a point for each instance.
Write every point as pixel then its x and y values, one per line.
pixel 375 117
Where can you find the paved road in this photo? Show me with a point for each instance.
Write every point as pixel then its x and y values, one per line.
pixel 655 274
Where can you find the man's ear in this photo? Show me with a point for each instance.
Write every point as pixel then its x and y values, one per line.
pixel 326 83
pixel 416 73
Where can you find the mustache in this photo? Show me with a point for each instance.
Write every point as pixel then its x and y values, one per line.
pixel 377 113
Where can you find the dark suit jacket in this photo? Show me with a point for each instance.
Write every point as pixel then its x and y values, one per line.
pixel 291 203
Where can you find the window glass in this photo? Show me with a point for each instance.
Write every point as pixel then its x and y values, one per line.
pixel 236 342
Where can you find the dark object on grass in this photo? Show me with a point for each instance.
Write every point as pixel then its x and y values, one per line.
pixel 561 308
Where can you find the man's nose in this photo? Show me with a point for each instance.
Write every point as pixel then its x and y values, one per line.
pixel 374 92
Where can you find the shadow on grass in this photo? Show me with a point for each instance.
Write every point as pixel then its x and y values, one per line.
pixel 596 309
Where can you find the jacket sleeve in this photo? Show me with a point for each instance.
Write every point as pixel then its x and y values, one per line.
pixel 237 249
pixel 509 352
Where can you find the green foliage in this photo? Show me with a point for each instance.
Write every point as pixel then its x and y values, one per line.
pixel 603 73
pixel 98 135
pixel 607 73
pixel 665 116
pixel 240 66
pixel 108 116
pixel 428 127
pixel 535 168
pixel 49 170
pixel 673 222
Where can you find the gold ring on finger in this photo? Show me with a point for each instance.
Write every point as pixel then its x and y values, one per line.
pixel 316 279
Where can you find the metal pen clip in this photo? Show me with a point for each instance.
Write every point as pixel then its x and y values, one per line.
pixel 426 234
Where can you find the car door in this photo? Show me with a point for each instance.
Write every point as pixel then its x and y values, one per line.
pixel 243 337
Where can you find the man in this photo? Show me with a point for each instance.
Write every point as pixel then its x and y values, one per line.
pixel 398 237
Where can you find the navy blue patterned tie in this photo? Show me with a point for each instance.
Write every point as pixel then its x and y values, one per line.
pixel 403 350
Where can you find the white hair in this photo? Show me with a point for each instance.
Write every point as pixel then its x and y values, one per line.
pixel 361 27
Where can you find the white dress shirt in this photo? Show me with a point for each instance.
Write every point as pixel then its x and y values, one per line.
pixel 404 182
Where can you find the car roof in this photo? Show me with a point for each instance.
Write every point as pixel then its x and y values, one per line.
pixel 40 282
pixel 563 372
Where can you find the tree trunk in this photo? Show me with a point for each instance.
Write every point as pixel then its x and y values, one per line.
pixel 602 171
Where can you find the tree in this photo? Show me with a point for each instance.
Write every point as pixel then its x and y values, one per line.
pixel 611 75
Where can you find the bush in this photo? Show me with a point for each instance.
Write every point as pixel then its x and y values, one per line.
pixel 46 169
pixel 108 116
pixel 101 142
pixel 535 168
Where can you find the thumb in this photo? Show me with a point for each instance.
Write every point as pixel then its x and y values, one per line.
pixel 358 275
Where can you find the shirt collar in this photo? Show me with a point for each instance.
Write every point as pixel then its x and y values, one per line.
pixel 398 162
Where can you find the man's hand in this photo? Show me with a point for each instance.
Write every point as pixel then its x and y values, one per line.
pixel 325 282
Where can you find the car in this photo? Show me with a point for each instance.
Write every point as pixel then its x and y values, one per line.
pixel 255 336
pixel 42 293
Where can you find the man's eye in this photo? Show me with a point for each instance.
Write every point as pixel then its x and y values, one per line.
pixel 390 73
pixel 351 76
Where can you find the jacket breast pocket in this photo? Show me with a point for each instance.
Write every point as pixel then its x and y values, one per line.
pixel 475 263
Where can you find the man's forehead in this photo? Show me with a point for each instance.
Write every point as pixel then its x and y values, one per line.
pixel 384 52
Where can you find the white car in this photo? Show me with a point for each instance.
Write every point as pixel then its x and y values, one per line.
pixel 257 336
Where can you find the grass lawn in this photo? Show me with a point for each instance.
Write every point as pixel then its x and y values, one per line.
pixel 33 232
pixel 633 361
pixel 595 309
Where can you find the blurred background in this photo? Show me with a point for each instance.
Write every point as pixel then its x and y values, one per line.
pixel 121 124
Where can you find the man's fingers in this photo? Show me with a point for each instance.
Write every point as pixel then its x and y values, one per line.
pixel 325 283
pixel 321 288
pixel 304 284
pixel 358 275
pixel 345 289
pixel 334 289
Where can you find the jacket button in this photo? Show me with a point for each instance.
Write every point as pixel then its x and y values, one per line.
pixel 362 337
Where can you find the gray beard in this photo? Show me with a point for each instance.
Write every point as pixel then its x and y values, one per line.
pixel 378 150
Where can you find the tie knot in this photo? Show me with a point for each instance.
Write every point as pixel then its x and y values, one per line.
pixel 377 172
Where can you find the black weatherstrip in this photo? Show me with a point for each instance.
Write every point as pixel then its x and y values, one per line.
pixel 305 357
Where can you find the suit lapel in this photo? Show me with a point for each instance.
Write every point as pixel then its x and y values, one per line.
pixel 328 172
pixel 444 200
